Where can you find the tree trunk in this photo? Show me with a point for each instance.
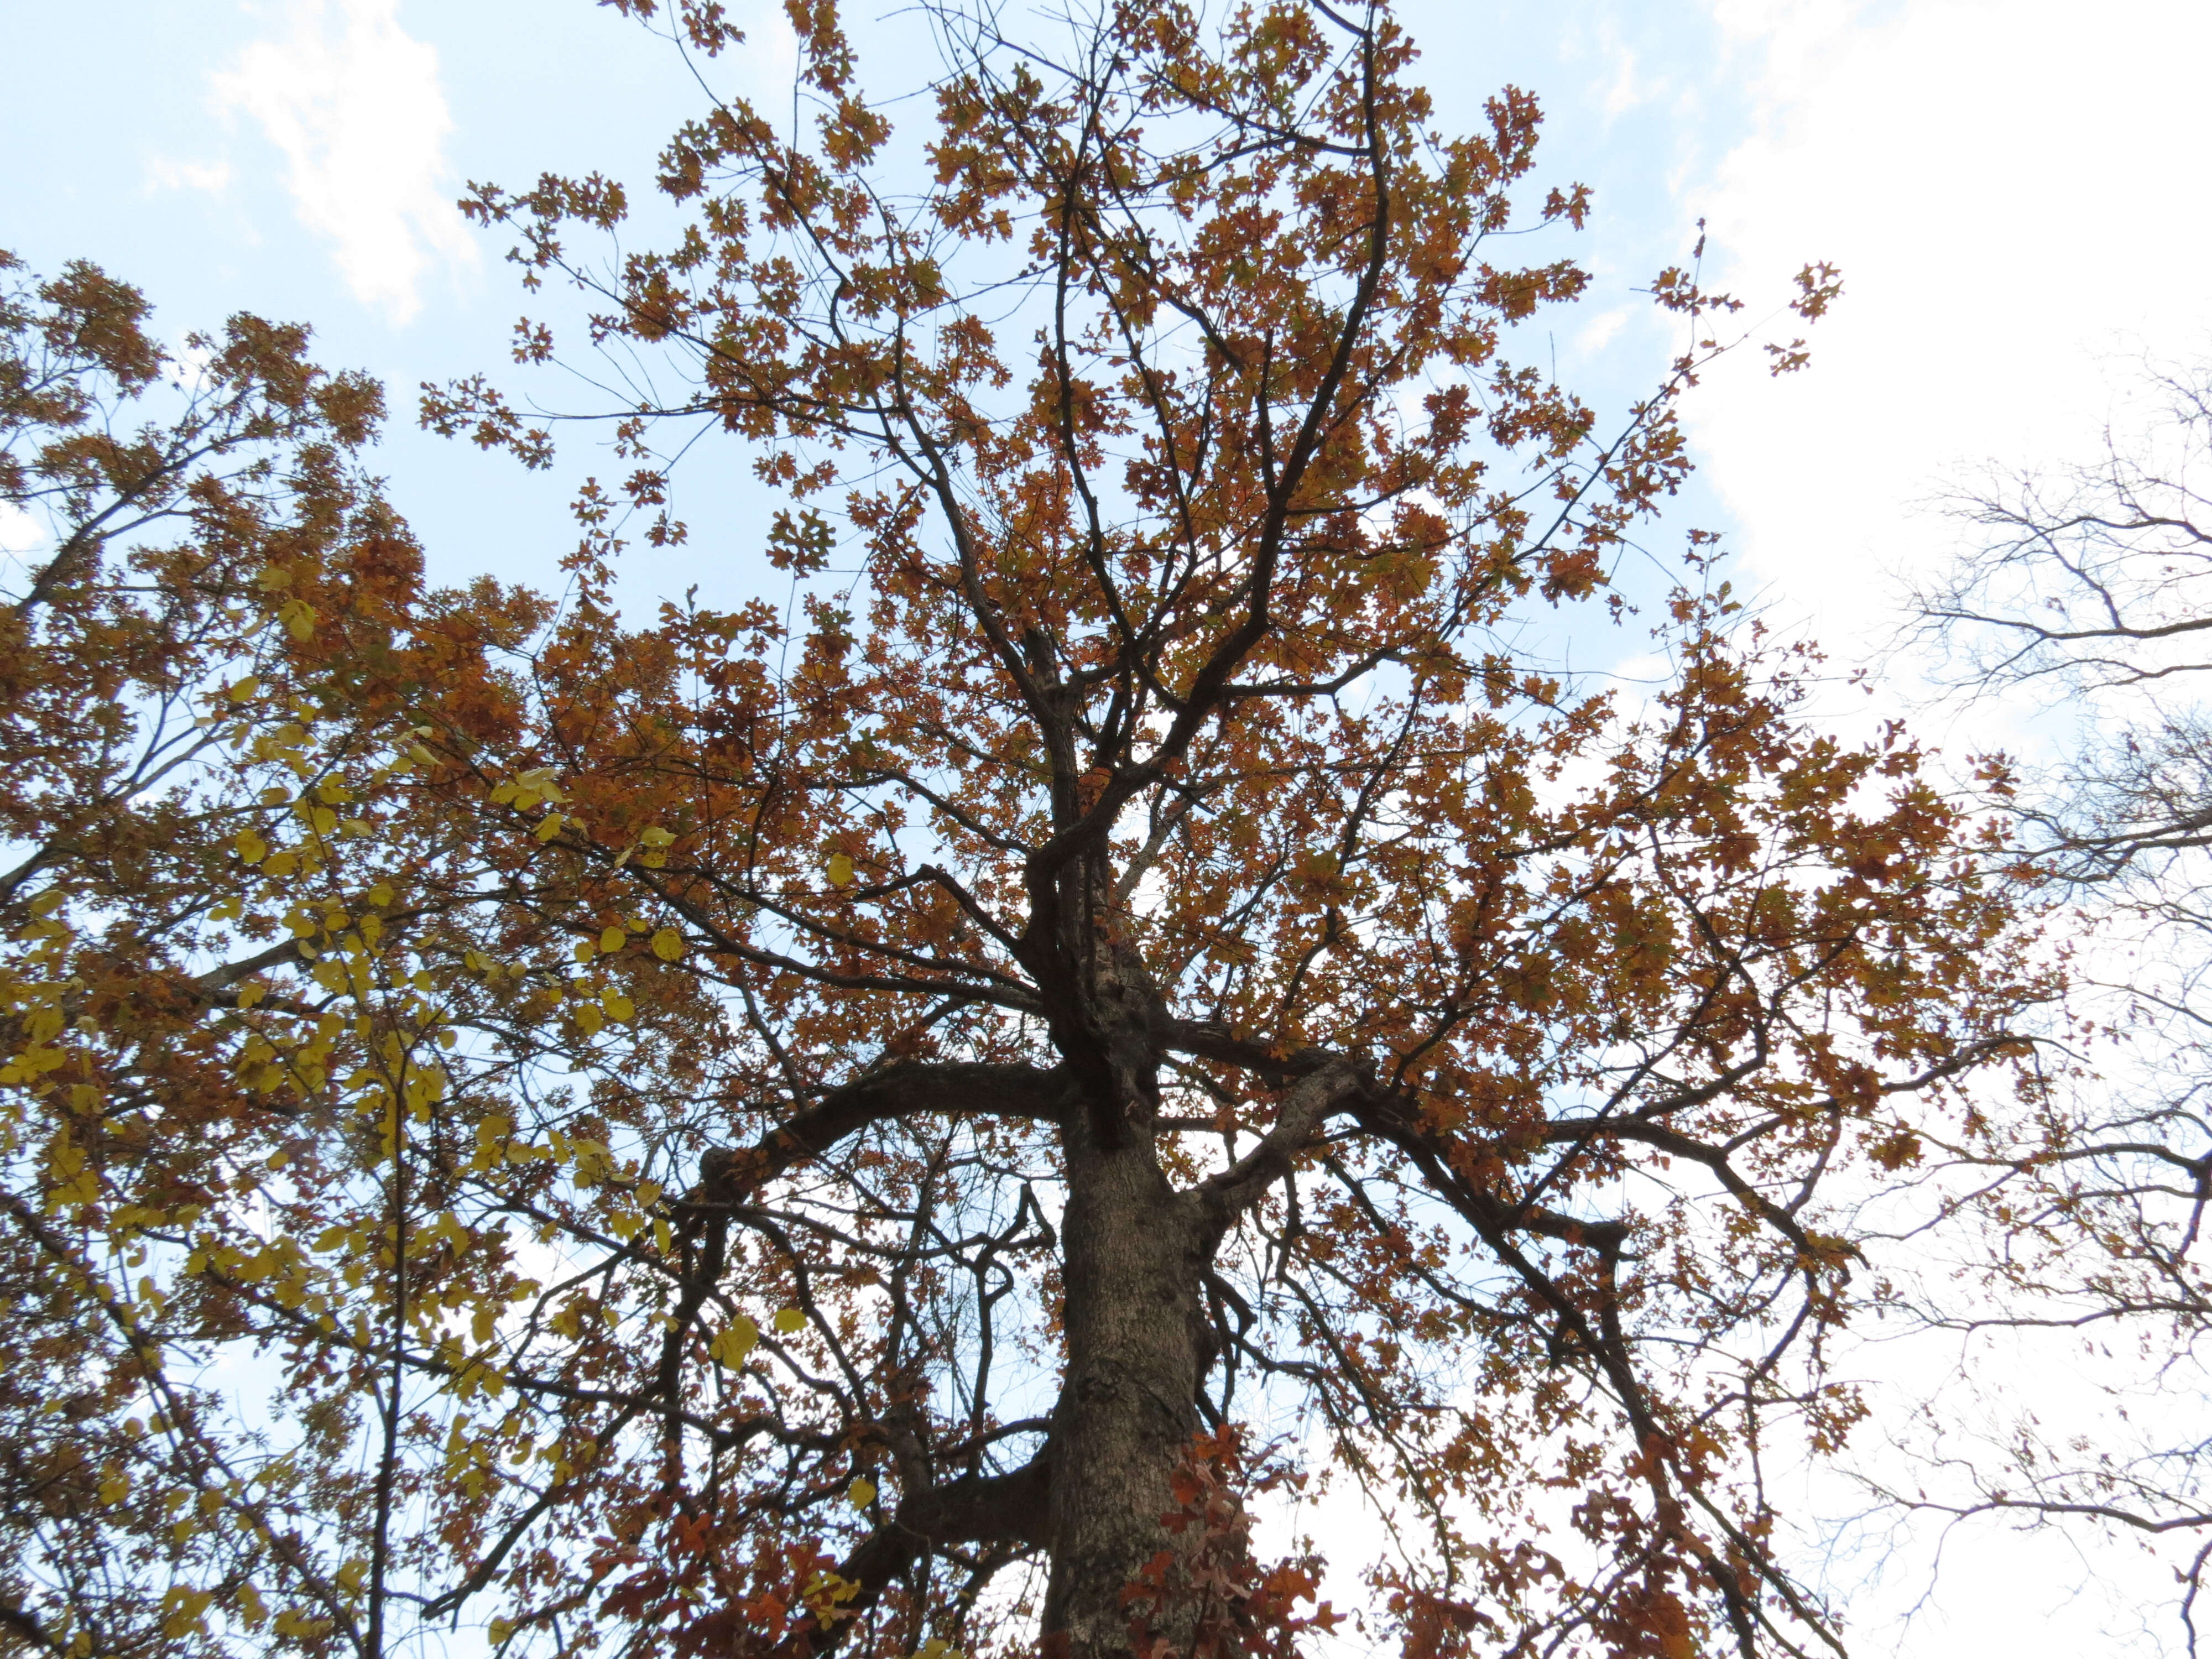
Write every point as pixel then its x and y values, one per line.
pixel 1132 1269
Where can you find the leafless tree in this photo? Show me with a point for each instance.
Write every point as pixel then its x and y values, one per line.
pixel 2089 590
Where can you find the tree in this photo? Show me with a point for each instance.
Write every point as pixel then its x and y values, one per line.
pixel 2091 584
pixel 877 1125
pixel 2086 588
pixel 162 670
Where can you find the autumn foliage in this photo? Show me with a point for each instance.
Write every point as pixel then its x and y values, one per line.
pixel 825 1125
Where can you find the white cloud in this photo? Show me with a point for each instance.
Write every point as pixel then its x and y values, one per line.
pixel 2015 192
pixel 19 533
pixel 353 101
pixel 167 173
pixel 1595 336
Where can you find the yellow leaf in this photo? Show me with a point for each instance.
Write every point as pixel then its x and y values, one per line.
pixel 617 1006
pixel 788 1320
pixel 251 846
pixel 550 828
pixel 540 779
pixel 668 944
pixel 244 689
pixel 734 1343
pixel 840 870
pixel 612 938
pixel 861 1492
pixel 655 837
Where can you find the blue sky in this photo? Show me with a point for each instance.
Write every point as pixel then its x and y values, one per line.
pixel 2008 184
pixel 2014 190
pixel 301 158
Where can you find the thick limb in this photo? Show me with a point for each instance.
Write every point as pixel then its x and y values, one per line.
pixel 973 1509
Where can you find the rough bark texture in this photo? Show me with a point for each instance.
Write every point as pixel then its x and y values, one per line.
pixel 1134 1265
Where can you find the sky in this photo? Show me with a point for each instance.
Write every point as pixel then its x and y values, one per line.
pixel 2014 190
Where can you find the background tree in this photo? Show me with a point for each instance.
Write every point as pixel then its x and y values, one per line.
pixel 2089 590
pixel 2091 585
pixel 790 1129
pixel 207 584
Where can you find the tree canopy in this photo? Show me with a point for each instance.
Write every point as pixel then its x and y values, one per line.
pixel 878 1124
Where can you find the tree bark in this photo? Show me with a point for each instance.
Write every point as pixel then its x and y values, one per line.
pixel 1134 1258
